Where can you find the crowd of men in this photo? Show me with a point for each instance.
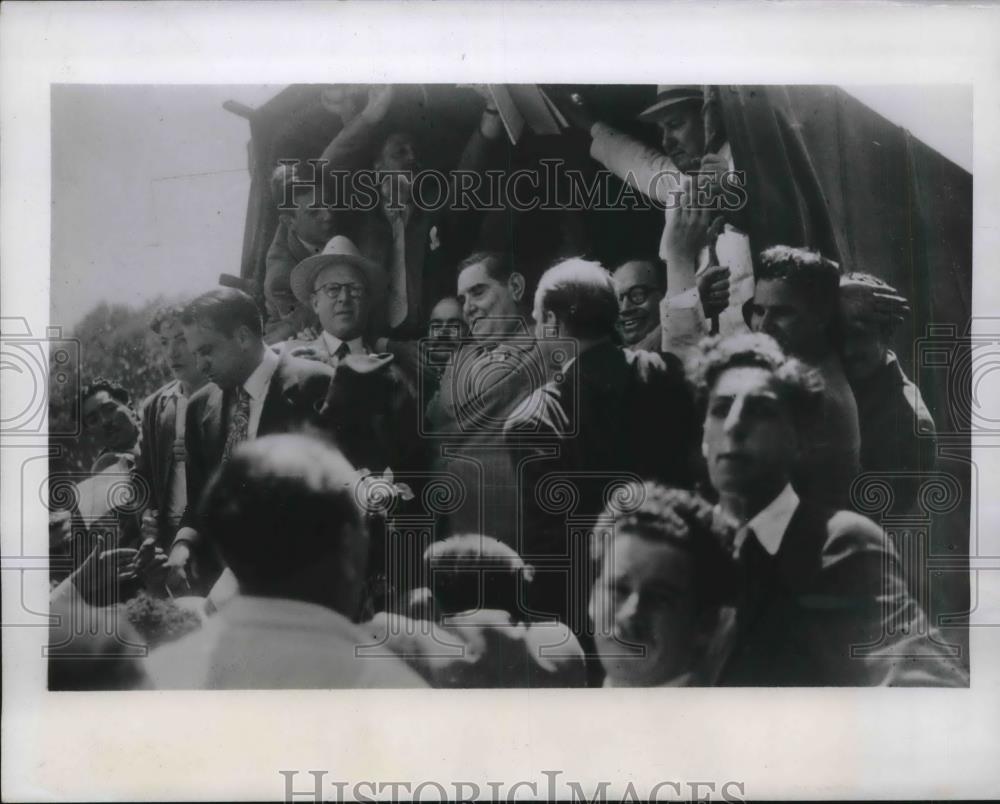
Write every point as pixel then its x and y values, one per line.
pixel 420 465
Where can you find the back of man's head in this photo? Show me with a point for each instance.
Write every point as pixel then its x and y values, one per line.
pixel 283 514
pixel 581 295
pixel 471 572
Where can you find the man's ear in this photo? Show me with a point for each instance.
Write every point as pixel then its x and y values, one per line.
pixel 516 285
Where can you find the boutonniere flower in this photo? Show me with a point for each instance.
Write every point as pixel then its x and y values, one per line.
pixel 435 243
pixel 377 494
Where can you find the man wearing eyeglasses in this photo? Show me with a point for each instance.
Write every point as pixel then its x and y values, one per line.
pixel 341 287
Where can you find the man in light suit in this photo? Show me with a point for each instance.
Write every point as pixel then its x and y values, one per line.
pixel 825 602
pixel 254 392
pixel 283 512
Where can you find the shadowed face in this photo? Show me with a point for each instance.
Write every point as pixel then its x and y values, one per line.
pixel 399 153
pixel 645 611
pixel 750 440
pixel 226 360
pixel 178 357
pixel 683 135
pixel 109 423
pixel 446 322
pixel 865 342
pixel 778 310
pixel 639 293
pixel 341 300
pixel 312 223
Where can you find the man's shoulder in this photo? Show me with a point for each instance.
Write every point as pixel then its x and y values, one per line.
pixel 298 370
pixel 208 394
pixel 845 533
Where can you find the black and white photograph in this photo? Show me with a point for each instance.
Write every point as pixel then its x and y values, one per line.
pixel 377 387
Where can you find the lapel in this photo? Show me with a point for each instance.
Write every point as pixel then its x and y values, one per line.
pixel 214 421
pixel 166 432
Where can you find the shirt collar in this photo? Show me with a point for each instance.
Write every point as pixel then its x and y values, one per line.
pixel 770 524
pixel 333 344
pixel 313 250
pixel 256 384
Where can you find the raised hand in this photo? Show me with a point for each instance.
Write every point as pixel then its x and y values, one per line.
pixel 379 100
pixel 713 290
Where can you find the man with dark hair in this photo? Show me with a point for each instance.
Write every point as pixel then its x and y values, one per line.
pixel 606 413
pixel 663 578
pixel 486 379
pixel 795 301
pixel 162 458
pixel 897 429
pixel 254 392
pixel 825 600
pixel 109 422
pixel 283 514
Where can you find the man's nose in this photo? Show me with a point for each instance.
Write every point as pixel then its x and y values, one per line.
pixel 625 303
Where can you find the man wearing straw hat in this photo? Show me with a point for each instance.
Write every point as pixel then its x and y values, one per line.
pixel 342 288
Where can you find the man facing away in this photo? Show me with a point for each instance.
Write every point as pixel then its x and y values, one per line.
pixel 825 601
pixel 283 513
pixel 254 392
pixel 606 414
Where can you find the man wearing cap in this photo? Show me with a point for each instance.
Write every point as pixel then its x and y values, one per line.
pixel 253 392
pixel 341 287
pixel 693 142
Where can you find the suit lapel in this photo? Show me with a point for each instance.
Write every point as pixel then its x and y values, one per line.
pixel 274 415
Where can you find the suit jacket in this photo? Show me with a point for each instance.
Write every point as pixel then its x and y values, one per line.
pixel 481 387
pixel 155 464
pixel 834 588
pixel 616 415
pixel 295 394
pixel 897 430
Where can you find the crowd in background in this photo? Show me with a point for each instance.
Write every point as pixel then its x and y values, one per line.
pixel 423 463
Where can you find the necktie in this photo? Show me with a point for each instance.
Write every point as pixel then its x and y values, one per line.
pixel 397 303
pixel 239 425
pixel 756 564
pixel 342 351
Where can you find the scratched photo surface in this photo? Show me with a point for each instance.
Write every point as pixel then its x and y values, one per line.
pixel 507 386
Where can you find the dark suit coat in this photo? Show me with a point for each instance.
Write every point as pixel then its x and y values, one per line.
pixel 297 390
pixel 155 464
pixel 834 584
pixel 616 412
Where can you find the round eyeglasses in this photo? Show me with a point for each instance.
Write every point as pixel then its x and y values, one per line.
pixel 332 290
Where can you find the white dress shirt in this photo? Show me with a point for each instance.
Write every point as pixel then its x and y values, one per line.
pixel 177 501
pixel 333 344
pixel 257 385
pixel 770 523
